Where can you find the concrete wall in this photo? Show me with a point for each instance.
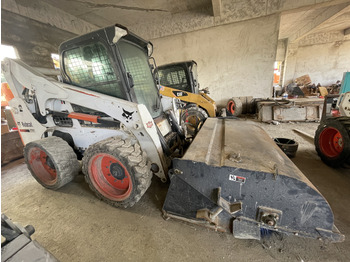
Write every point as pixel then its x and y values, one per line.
pixel 233 60
pixel 33 40
pixel 323 56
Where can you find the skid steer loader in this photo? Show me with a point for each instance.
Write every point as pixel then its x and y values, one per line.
pixel 332 137
pixel 109 114
pixel 180 80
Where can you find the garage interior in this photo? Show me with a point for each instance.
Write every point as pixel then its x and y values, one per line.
pixel 236 45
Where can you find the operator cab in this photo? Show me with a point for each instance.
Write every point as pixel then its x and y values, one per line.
pixel 114 62
pixel 182 76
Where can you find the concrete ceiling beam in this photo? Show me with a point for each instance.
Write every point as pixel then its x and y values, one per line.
pixel 48 14
pixel 298 6
pixel 217 7
pixel 328 14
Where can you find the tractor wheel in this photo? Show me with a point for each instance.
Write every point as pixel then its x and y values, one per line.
pixel 51 161
pixel 234 106
pixel 193 117
pixel 117 171
pixel 332 141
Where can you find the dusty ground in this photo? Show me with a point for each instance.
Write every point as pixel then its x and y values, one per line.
pixel 73 225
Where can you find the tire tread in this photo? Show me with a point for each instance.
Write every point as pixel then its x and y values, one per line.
pixel 135 160
pixel 65 160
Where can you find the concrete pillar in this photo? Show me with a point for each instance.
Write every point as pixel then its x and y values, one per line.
pixel 281 56
pixel 290 63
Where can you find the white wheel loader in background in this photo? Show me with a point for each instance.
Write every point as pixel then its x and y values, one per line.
pixel 109 113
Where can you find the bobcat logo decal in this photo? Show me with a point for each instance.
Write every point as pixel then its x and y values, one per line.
pixel 127 115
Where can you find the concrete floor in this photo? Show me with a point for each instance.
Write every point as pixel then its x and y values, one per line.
pixel 75 226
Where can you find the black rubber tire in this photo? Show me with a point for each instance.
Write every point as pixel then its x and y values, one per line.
pixel 133 160
pixel 288 146
pixel 60 159
pixel 342 125
pixel 190 113
pixel 234 106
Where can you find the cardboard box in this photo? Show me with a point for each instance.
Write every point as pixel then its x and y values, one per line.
pixel 4 129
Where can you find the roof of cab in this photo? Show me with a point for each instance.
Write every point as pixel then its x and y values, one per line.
pixel 107 34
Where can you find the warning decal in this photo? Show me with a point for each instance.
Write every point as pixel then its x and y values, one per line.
pixel 238 179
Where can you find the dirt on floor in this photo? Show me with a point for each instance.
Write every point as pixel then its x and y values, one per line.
pixel 75 226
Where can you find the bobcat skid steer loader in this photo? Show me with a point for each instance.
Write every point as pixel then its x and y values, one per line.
pixel 108 112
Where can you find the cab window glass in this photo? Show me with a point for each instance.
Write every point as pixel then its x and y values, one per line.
pixel 174 77
pixel 136 64
pixel 90 67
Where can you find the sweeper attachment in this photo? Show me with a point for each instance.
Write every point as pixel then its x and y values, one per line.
pixel 240 181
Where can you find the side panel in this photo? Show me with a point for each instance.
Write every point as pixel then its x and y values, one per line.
pixel 201 100
pixel 345 86
pixel 244 194
pixel 28 127
pixel 344 105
